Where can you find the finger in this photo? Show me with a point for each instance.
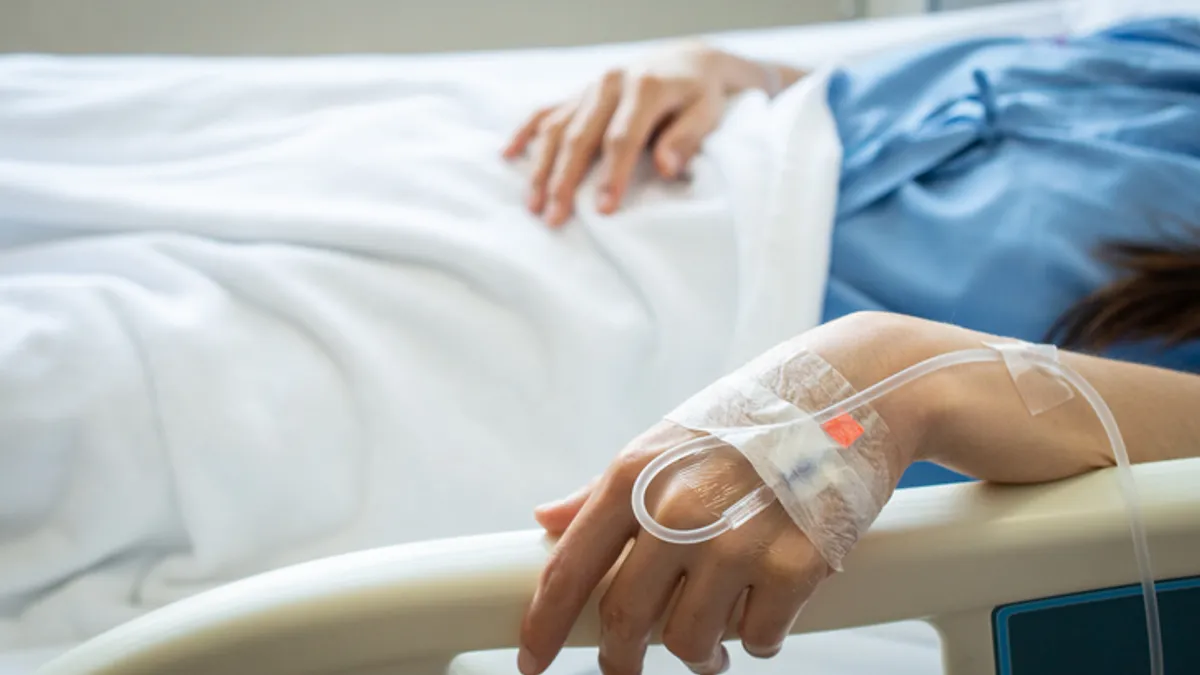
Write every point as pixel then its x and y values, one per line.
pixel 556 516
pixel 580 145
pixel 682 138
pixel 699 619
pixel 635 601
pixel 587 550
pixel 770 614
pixel 783 583
pixel 551 130
pixel 642 108
pixel 528 130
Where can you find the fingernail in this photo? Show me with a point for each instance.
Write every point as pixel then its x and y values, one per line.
pixel 526 663
pixel 608 201
pixel 535 201
pixel 554 503
pixel 671 162
pixel 711 667
pixel 763 652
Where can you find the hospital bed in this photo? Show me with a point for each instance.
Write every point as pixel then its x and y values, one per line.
pixel 983 565
pixel 966 558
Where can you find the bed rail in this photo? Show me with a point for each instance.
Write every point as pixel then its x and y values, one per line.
pixel 947 554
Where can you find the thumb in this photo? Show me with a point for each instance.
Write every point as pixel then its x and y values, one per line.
pixel 556 516
pixel 682 138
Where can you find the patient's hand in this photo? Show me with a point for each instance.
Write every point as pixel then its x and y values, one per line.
pixel 668 103
pixel 754 579
pixel 970 419
pixel 757 576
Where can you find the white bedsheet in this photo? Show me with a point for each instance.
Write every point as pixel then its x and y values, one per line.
pixel 254 316
pixel 258 311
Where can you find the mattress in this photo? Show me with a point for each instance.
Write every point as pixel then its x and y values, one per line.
pixel 503 87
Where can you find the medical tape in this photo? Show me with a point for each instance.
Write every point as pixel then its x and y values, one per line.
pixel 1041 389
pixel 831 478
pixel 831 474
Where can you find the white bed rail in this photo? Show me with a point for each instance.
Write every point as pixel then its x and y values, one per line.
pixel 948 554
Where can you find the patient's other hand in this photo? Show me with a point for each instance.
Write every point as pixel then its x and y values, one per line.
pixel 667 103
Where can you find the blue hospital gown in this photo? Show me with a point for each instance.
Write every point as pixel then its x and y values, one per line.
pixel 980 177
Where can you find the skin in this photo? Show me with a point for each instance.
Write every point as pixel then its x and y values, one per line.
pixel 666 104
pixel 755 580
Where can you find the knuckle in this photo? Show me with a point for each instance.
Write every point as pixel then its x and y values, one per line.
pixel 546 159
pixel 778 569
pixel 559 191
pixel 559 581
pixel 761 639
pixel 686 645
pixel 552 573
pixel 611 82
pixel 612 78
pixel 650 85
pixel 626 468
pixel 791 572
pixel 619 624
pixel 618 141
pixel 679 508
pixel 576 142
pixel 734 549
pixel 611 666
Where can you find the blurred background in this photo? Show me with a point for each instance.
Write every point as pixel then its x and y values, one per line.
pixel 273 26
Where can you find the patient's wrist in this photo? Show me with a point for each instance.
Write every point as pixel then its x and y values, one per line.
pixel 869 347
pixel 970 418
pixel 737 74
pixel 831 473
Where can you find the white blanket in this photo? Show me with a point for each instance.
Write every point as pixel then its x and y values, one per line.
pixel 255 312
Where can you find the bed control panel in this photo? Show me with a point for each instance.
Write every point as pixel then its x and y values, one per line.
pixel 1102 631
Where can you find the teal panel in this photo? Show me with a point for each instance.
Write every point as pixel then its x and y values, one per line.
pixel 1098 632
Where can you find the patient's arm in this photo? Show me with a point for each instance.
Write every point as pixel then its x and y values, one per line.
pixel 974 422
pixel 970 418
pixel 670 101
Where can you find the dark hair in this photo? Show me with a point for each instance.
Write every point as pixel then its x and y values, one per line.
pixel 1156 298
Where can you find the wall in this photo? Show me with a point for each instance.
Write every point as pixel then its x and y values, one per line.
pixel 290 26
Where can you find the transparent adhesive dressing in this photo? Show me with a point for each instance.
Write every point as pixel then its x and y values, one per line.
pixel 1021 359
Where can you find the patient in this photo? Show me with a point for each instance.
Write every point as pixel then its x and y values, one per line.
pixel 250 318
pixel 1039 205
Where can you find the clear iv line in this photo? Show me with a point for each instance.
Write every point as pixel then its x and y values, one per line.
pixel 754 503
